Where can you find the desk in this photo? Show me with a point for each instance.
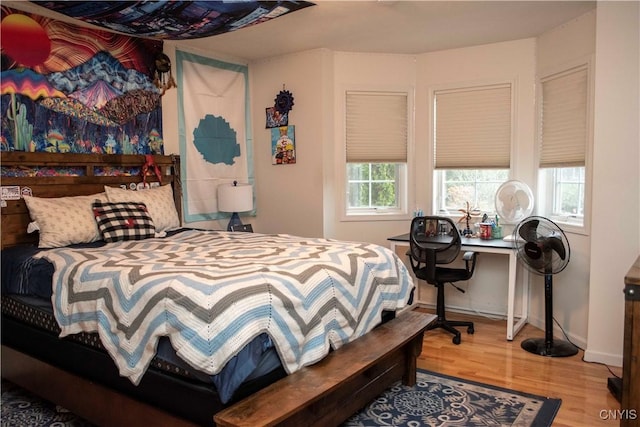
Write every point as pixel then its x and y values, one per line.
pixel 494 246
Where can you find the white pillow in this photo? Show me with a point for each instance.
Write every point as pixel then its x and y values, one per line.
pixel 63 221
pixel 159 202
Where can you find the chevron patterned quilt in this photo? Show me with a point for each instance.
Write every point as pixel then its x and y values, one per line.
pixel 213 292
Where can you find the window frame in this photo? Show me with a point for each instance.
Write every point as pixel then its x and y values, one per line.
pixel 548 184
pixel 439 183
pixel 454 86
pixel 545 193
pixel 405 183
pixel 401 183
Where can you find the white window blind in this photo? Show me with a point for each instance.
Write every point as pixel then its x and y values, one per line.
pixel 564 119
pixel 376 127
pixel 473 128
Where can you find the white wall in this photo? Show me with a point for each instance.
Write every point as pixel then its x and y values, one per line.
pixel 360 71
pixel 559 49
pixel 500 62
pixel 290 197
pixel 615 234
pixel 561 46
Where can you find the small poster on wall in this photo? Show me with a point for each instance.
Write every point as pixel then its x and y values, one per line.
pixel 283 145
pixel 275 118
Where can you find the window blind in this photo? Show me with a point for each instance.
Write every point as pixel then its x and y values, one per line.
pixel 473 128
pixel 376 127
pixel 564 119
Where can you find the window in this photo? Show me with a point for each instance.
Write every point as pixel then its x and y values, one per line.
pixel 476 186
pixel 376 152
pixel 373 185
pixel 472 146
pixel 563 140
pixel 563 194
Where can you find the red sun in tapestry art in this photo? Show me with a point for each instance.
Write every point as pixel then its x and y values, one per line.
pixel 25 40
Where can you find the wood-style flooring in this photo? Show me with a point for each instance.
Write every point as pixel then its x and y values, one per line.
pixel 487 357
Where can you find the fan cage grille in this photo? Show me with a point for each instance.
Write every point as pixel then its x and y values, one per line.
pixel 541 245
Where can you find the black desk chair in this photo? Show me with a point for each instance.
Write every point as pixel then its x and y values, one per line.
pixel 436 240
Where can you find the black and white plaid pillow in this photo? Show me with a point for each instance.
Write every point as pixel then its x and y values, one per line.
pixel 123 221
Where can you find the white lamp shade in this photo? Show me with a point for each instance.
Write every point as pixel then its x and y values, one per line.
pixel 235 198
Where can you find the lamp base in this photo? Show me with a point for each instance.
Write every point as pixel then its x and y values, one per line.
pixel 234 222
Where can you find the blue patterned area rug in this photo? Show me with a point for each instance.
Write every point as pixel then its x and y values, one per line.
pixel 19 408
pixel 436 401
pixel 441 401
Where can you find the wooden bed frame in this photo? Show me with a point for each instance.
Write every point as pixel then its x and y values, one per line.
pixel 15 216
pixel 370 372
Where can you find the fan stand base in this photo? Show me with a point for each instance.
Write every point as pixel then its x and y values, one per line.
pixel 557 348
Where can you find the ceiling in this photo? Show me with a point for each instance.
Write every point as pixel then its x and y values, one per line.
pixel 384 26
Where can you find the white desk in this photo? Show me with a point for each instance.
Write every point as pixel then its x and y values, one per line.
pixel 494 246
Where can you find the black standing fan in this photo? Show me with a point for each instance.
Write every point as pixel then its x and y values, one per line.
pixel 544 249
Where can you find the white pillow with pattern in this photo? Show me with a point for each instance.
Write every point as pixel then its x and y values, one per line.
pixel 159 202
pixel 64 221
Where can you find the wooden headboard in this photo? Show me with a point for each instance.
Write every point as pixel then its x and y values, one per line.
pixel 89 173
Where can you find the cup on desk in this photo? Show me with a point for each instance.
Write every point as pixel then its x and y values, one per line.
pixel 485 230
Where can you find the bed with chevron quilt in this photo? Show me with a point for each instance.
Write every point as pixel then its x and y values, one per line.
pixel 213 292
pixel 176 324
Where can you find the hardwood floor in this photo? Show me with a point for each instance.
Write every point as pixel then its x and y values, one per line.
pixel 488 357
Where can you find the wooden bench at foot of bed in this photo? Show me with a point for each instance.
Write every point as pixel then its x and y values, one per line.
pixel 330 391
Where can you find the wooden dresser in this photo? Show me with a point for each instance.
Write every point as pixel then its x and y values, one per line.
pixel 631 352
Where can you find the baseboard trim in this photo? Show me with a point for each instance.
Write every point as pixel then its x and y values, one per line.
pixel 605 358
pixel 464 310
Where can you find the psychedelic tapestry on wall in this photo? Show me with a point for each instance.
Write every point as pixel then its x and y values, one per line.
pixel 66 88
pixel 214 131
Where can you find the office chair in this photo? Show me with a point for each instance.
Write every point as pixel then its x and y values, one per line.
pixel 434 241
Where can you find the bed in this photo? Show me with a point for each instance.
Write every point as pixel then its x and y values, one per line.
pixel 154 320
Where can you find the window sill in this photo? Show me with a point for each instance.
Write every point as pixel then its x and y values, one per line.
pixel 570 225
pixel 376 216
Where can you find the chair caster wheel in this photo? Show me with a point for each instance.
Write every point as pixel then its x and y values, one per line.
pixel 470 330
pixel 456 339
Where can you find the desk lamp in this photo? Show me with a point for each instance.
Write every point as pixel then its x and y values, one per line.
pixel 235 198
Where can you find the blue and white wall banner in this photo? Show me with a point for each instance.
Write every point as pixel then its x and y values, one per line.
pixel 214 130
